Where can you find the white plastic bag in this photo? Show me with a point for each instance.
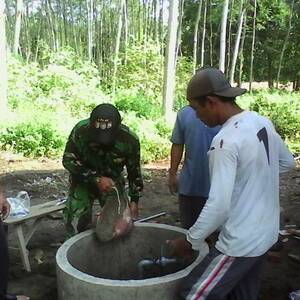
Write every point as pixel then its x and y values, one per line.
pixel 295 295
pixel 19 206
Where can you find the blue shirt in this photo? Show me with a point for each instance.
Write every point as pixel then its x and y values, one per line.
pixel 196 137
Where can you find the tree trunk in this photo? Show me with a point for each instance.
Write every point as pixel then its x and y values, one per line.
pixel 210 36
pixel 203 35
pixel 156 25
pixel 3 65
pixel 195 41
pixel 169 73
pixel 252 48
pixel 285 43
pixel 117 44
pixel 237 42
pixel 229 37
pixel 126 30
pixel 54 24
pixel 73 25
pixel 19 9
pixel 89 5
pixel 241 56
pixel 223 37
pixel 179 31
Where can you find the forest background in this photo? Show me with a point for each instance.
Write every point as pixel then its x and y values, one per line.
pixel 60 58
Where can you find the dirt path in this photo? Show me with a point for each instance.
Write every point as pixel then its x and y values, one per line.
pixel 46 180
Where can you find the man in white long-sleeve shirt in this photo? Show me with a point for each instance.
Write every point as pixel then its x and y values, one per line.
pixel 245 160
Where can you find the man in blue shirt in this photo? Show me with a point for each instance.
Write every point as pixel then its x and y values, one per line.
pixel 192 136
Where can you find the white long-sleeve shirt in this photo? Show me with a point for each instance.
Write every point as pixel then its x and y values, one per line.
pixel 245 160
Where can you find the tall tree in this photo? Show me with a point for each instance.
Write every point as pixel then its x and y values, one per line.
pixel 241 55
pixel 19 9
pixel 169 72
pixel 203 35
pixel 229 37
pixel 89 5
pixel 195 41
pixel 3 66
pixel 117 44
pixel 252 46
pixel 237 42
pixel 223 36
pixel 285 42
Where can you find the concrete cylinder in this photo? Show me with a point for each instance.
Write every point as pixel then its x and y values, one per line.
pixel 88 269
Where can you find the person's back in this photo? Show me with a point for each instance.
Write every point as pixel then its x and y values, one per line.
pixel 245 160
pixel 253 150
pixel 197 137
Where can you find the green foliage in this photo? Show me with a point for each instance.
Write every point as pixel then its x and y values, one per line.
pixel 142 105
pixel 153 137
pixel 32 139
pixel 142 71
pixel 55 87
pixel 184 72
pixel 285 117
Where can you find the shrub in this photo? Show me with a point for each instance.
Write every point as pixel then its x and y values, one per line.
pixel 143 106
pixel 32 139
pixel 284 116
pixel 154 146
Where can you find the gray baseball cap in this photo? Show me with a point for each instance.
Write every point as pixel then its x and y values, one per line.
pixel 211 81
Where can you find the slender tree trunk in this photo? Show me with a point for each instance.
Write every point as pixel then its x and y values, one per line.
pixel 3 64
pixel 64 16
pixel 285 43
pixel 10 23
pixel 179 31
pixel 203 35
pixel 73 25
pixel 28 42
pixel 241 56
pixel 19 9
pixel 237 42
pixel 252 47
pixel 156 27
pixel 210 36
pixel 169 73
pixel 195 41
pixel 51 25
pixel 89 6
pixel 229 38
pixel 126 30
pixel 117 45
pixel 223 37
pixel 54 25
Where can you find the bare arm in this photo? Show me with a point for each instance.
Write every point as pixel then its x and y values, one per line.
pixel 176 156
pixel 4 205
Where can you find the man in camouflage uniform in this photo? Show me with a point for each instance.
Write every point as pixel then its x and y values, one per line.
pixel 96 152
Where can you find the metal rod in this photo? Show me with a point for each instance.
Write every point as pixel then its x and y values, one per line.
pixel 150 217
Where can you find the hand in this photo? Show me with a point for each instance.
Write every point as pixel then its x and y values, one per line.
pixel 134 208
pixel 172 182
pixel 105 184
pixel 181 248
pixel 4 207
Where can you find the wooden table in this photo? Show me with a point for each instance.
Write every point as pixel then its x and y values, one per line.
pixel 37 212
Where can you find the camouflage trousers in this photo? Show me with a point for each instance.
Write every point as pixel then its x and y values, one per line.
pixel 79 206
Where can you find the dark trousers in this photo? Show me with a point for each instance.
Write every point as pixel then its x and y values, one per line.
pixel 222 277
pixel 189 209
pixel 3 262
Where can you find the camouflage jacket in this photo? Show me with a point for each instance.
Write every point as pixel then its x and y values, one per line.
pixel 87 161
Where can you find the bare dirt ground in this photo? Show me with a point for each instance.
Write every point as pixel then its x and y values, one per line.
pixel 46 180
